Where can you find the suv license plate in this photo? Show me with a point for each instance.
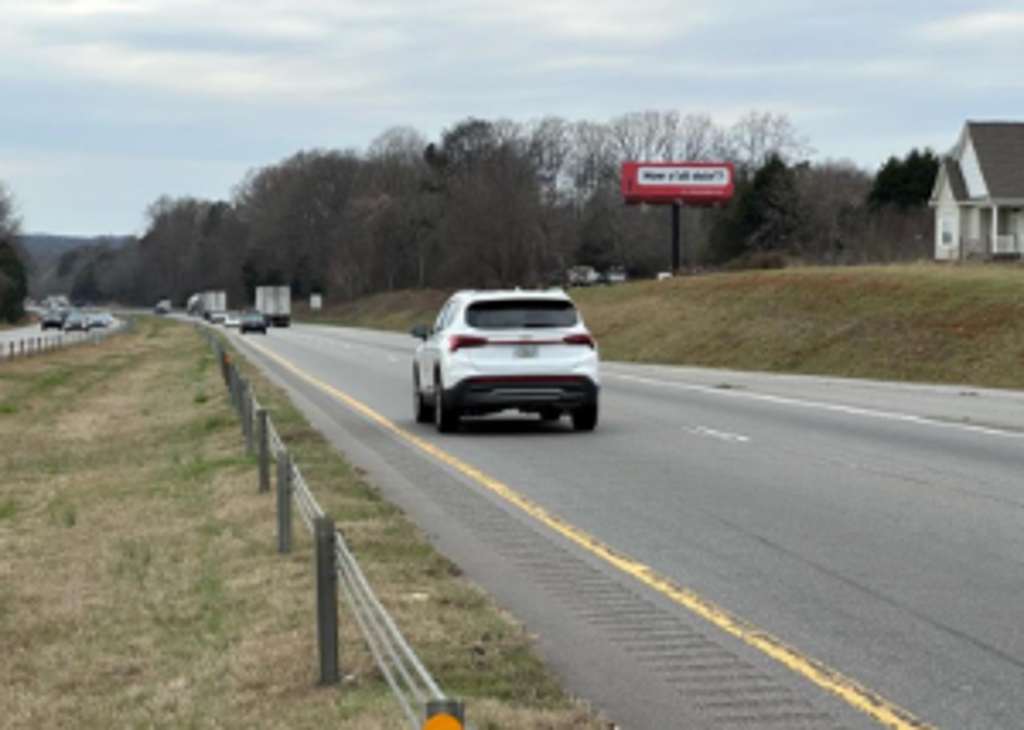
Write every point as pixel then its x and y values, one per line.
pixel 526 351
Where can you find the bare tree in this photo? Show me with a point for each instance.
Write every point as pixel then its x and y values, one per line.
pixel 832 197
pixel 757 136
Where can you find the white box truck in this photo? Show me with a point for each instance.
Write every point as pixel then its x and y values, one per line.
pixel 214 301
pixel 275 303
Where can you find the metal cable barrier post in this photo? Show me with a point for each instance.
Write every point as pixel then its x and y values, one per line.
pixel 327 600
pixel 284 503
pixel 263 440
pixel 247 420
pixel 230 381
pixel 446 714
pixel 233 372
pixel 222 357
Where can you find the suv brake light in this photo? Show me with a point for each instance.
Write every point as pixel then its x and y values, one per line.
pixel 460 342
pixel 586 340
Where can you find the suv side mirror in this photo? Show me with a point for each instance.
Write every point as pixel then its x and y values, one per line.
pixel 420 332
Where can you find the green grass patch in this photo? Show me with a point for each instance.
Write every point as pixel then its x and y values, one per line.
pixel 8 509
pixel 62 512
pixel 133 562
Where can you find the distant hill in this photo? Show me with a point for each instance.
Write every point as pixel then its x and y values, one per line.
pixel 44 246
pixel 45 251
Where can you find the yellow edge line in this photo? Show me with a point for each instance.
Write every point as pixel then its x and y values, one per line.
pixel 857 696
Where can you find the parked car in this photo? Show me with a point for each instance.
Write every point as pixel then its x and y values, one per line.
pixel 76 321
pixel 253 322
pixel 582 276
pixel 490 351
pixel 53 319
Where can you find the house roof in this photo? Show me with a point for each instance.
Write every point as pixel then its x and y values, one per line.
pixel 1000 150
pixel 955 178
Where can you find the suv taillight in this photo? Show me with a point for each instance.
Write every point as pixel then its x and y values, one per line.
pixel 461 342
pixel 586 340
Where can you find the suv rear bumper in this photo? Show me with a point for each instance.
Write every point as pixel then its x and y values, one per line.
pixel 527 393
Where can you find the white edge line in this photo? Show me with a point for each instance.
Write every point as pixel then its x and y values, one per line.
pixel 816 405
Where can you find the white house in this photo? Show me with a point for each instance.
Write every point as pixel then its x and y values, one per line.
pixel 979 194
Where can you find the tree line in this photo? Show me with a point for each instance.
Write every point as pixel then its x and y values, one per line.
pixel 503 203
pixel 13 266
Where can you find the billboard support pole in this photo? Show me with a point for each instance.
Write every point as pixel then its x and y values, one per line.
pixel 675 236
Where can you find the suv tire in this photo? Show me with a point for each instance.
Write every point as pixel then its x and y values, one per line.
pixel 445 416
pixel 584 418
pixel 423 411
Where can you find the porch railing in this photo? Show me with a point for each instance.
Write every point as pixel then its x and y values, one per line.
pixel 1009 243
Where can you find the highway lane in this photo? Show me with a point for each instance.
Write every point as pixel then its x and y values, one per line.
pixel 883 541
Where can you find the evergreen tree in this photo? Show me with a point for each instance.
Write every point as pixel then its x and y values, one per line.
pixel 771 216
pixel 13 282
pixel 763 216
pixel 906 183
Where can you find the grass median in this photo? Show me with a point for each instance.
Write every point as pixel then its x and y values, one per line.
pixel 141 582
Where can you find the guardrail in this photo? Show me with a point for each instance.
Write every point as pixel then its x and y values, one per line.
pixel 418 694
pixel 47 342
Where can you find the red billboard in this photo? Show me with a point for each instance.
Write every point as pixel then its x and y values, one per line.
pixel 689 183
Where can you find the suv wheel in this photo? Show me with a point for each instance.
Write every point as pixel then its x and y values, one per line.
pixel 584 418
pixel 445 416
pixel 424 413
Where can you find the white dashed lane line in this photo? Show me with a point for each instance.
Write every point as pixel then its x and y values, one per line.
pixel 735 438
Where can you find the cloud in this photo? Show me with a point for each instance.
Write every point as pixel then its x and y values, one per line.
pixel 972 27
pixel 253 75
pixel 621 22
pixel 240 50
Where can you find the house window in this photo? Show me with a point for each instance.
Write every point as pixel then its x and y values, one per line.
pixel 947 226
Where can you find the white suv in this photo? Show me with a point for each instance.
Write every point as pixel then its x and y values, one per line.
pixel 491 351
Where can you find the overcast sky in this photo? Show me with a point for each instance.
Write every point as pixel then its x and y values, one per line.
pixel 107 104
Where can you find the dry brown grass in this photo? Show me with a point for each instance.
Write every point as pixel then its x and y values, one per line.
pixel 923 323
pixel 141 583
pixel 398 311
pixel 920 322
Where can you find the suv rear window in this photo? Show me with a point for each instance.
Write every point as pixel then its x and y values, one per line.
pixel 521 313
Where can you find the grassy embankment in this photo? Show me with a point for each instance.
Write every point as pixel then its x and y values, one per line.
pixel 920 323
pixel 140 581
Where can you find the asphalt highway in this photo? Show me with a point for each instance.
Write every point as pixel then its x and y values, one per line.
pixel 726 550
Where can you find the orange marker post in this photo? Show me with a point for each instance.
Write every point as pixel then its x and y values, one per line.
pixel 442 722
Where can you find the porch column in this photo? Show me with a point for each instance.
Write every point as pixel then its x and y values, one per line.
pixel 995 229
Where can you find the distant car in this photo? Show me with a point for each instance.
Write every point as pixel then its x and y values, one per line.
pixel 253 322
pixel 217 316
pixel 490 351
pixel 76 321
pixel 54 319
pixel 99 319
pixel 162 307
pixel 232 319
pixel 614 276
